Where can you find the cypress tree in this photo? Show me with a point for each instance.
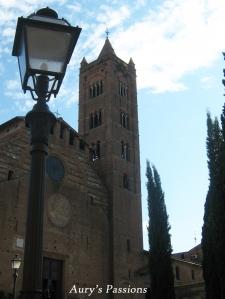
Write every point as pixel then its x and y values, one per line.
pixel 161 273
pixel 210 233
pixel 220 212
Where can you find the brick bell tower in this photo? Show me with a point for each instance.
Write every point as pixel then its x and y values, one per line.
pixel 108 121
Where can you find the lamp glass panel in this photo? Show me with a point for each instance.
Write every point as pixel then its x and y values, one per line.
pixel 47 49
pixel 16 263
pixel 22 59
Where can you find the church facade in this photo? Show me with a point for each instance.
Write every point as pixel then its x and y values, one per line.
pixel 92 215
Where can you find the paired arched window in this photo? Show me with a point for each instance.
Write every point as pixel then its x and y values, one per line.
pixel 124 120
pixel 96 89
pixel 95 119
pixel 122 89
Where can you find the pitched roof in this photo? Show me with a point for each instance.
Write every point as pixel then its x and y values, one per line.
pixel 107 49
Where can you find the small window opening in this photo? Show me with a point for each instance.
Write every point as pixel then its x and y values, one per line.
pixel 177 272
pixel 98 89
pixel 124 151
pixel 61 130
pixel 125 181
pixel 100 117
pixel 91 121
pixel 101 87
pixel 52 130
pixel 94 91
pixel 72 137
pixel 10 174
pixel 82 145
pixel 96 120
pixel 192 274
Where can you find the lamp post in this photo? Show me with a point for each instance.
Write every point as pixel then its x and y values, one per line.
pixel 16 262
pixel 43 44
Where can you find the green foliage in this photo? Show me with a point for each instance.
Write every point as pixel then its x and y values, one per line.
pixel 213 231
pixel 161 274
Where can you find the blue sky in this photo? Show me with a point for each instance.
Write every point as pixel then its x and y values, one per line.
pixel 177 48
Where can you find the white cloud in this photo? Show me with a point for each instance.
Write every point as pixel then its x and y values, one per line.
pixel 14 91
pixel 67 96
pixel 112 17
pixel 74 7
pixel 166 41
pixel 140 3
pixel 12 85
pixel 172 41
pixel 8 32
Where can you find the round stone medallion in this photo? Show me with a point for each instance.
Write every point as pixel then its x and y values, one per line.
pixel 59 210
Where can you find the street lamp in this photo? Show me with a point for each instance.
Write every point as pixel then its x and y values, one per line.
pixel 16 262
pixel 43 45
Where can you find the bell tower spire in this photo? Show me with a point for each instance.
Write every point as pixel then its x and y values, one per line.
pixel 107 49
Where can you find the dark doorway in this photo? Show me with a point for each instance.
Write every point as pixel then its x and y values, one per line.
pixel 52 278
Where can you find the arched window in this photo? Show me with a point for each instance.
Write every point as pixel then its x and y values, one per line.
pixel 125 181
pixel 91 121
pixel 126 121
pixel 94 91
pixel 98 89
pixel 96 120
pixel 91 91
pixel 100 117
pixel 101 87
pixel 98 149
pixel 120 88
pixel 95 151
pixel 121 118
pixel 124 151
